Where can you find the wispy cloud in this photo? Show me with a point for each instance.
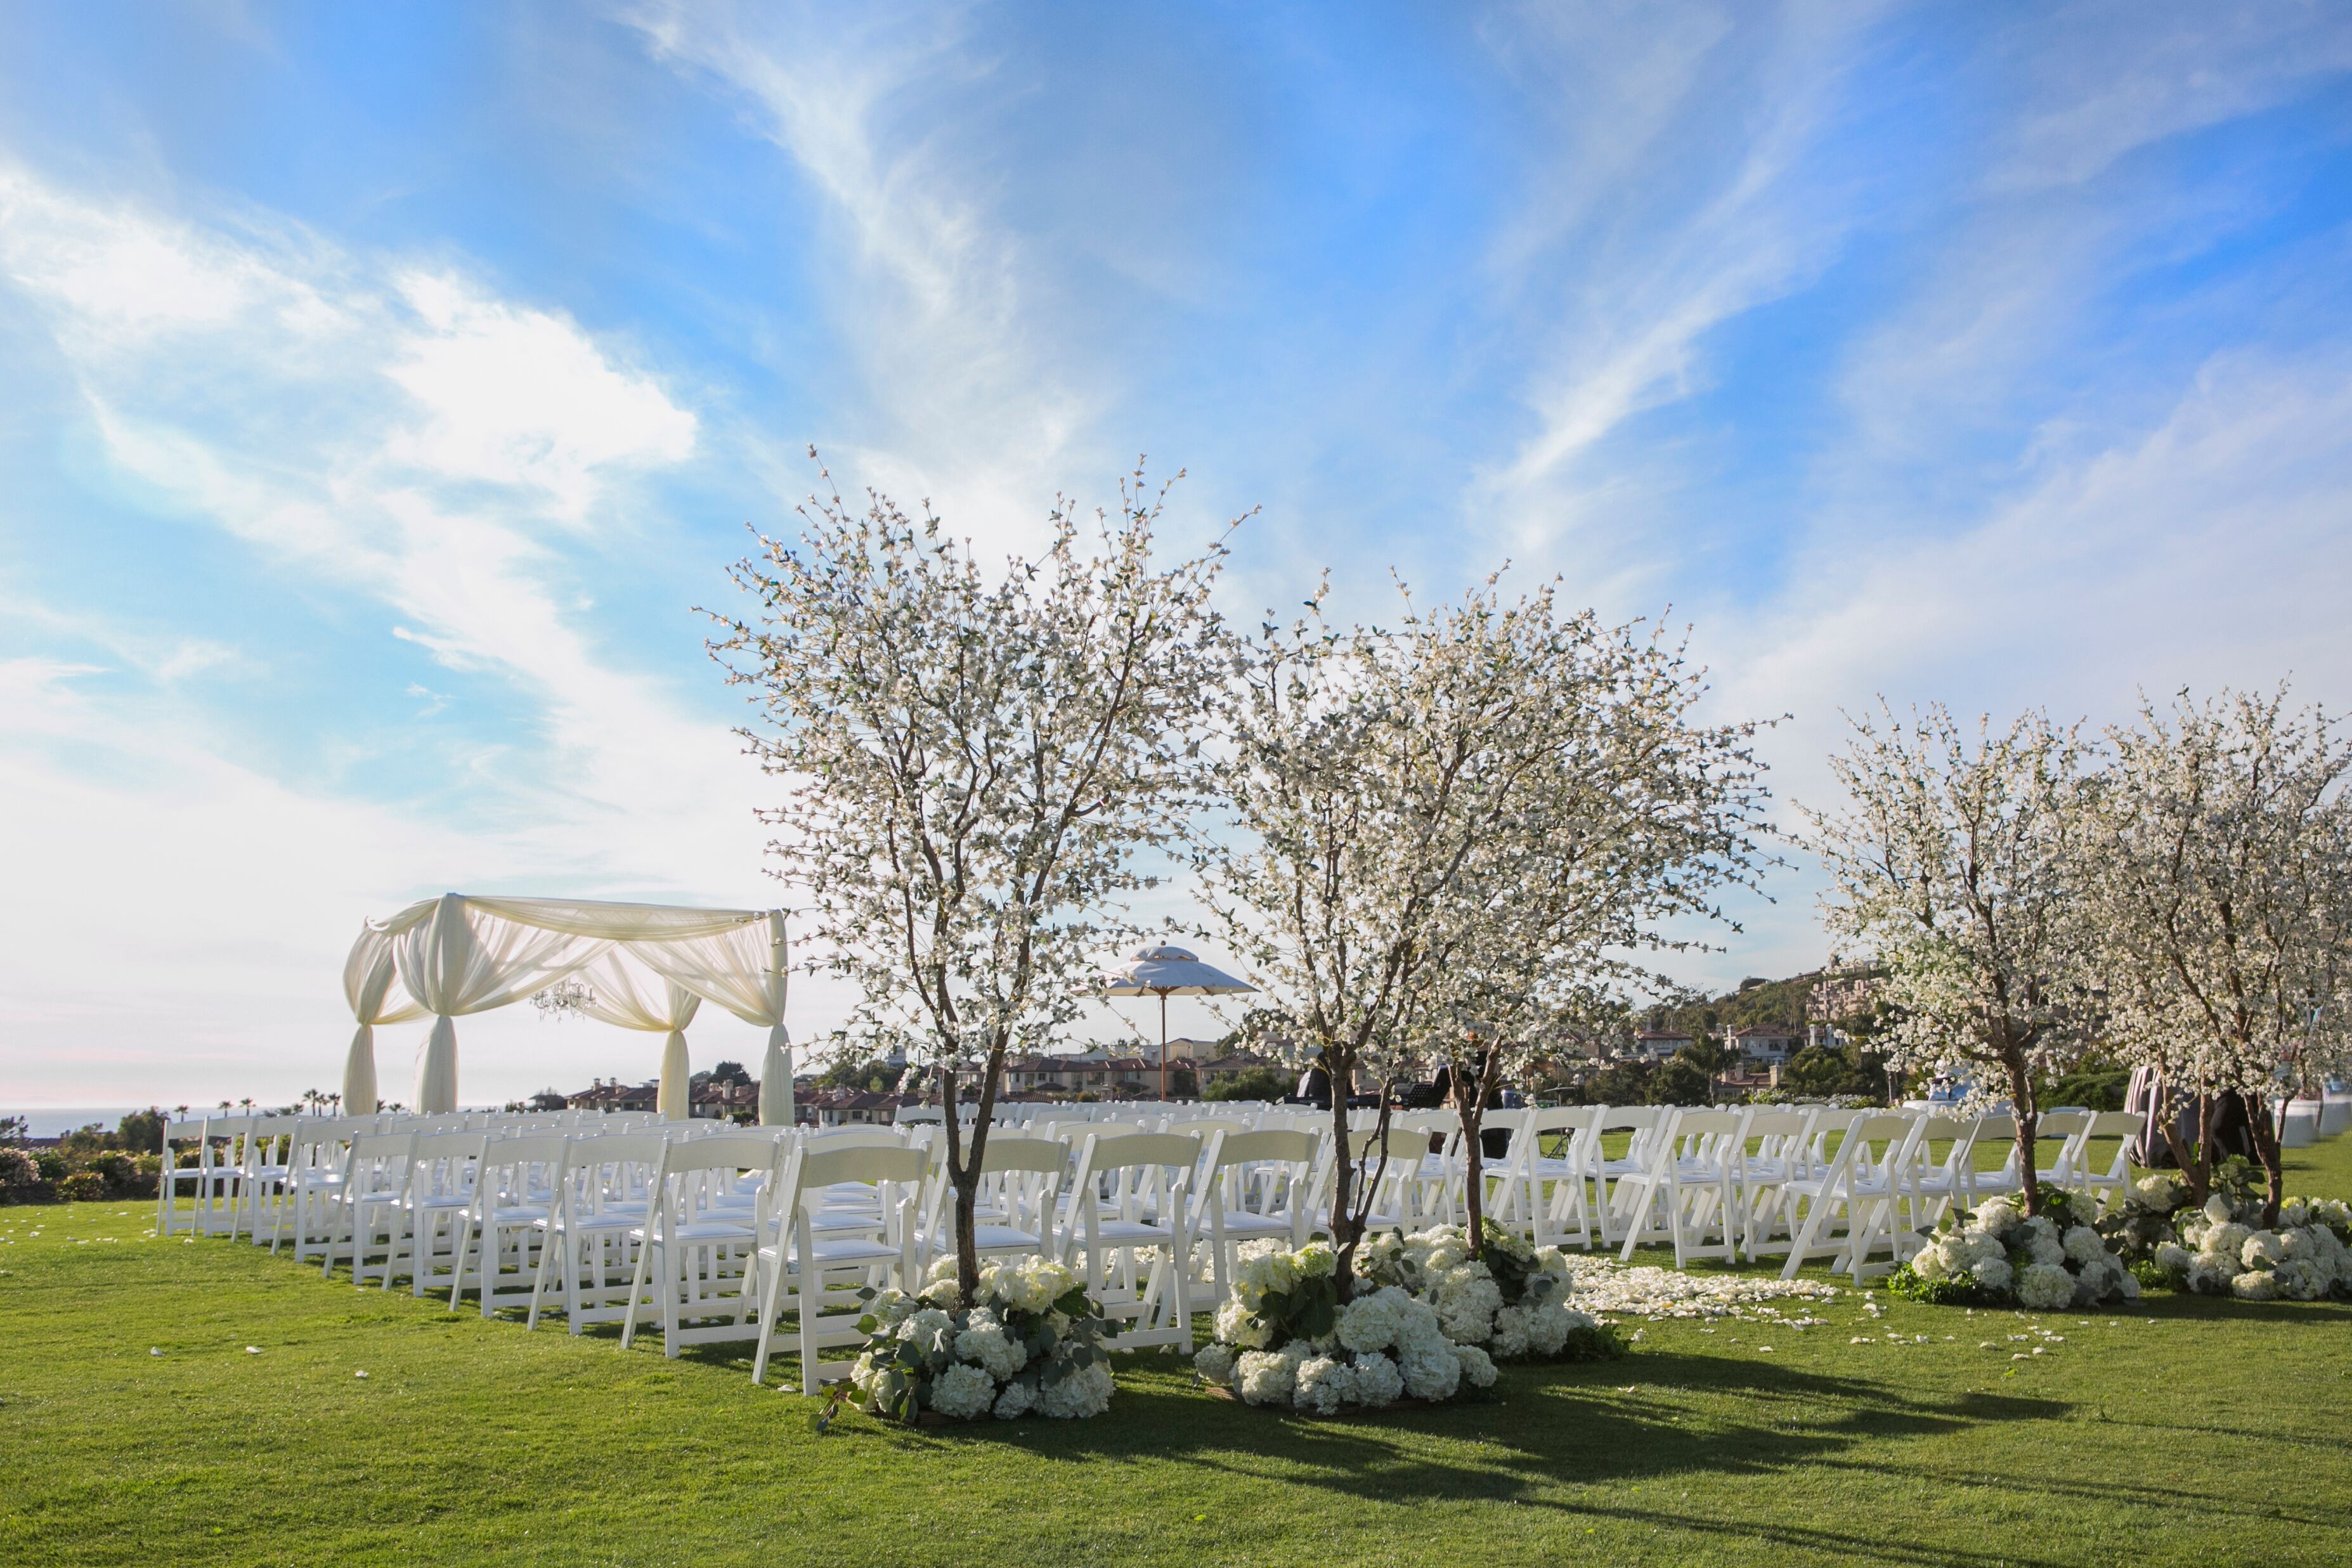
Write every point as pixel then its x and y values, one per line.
pixel 943 312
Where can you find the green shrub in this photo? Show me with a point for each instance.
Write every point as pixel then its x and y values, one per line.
pixel 53 1165
pixel 1907 1284
pixel 1251 1083
pixel 82 1186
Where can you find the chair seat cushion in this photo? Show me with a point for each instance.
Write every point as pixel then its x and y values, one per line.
pixel 699 1233
pixel 1241 1222
pixel 1117 1230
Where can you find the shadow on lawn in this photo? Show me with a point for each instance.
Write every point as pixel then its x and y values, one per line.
pixel 1551 1427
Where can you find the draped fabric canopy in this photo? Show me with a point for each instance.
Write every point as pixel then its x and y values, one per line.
pixel 650 965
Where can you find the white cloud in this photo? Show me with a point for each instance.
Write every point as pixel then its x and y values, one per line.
pixel 942 311
pixel 395 433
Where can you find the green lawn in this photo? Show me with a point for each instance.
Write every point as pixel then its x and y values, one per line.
pixel 2184 1431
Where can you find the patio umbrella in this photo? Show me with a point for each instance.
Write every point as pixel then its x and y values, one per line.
pixel 1166 972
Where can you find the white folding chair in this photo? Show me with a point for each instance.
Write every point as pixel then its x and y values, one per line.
pixel 598 1204
pixel 1684 1190
pixel 183 1135
pixel 1013 1212
pixel 431 1220
pixel 695 1252
pixel 2122 1126
pixel 1775 1149
pixel 1258 1187
pixel 368 1215
pixel 314 1182
pixel 1148 1180
pixel 810 1270
pixel 514 1194
pixel 1860 1184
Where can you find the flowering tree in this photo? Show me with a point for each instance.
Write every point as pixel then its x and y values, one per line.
pixel 1374 780
pixel 2222 905
pixel 1958 867
pixel 1635 816
pixel 975 763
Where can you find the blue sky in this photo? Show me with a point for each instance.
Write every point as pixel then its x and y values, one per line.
pixel 381 390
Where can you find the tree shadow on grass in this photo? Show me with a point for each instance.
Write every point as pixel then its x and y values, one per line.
pixel 1548 1429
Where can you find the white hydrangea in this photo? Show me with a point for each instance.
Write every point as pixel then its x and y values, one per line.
pixel 930 1330
pixel 2254 1285
pixel 1324 1384
pixel 1996 1274
pixel 1215 1362
pixel 987 1342
pixel 1030 1284
pixel 1236 1326
pixel 1266 1376
pixel 1378 1380
pixel 2172 1258
pixel 2044 1287
pixel 1475 1365
pixel 2262 1250
pixel 1016 1400
pixel 963 1391
pixel 2084 1245
pixel 1467 1301
pixel 1085 1391
pixel 2217 1210
pixel 1430 1372
pixel 2301 1280
pixel 1373 1320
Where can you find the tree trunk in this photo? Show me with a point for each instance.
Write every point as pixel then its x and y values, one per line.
pixel 1345 1231
pixel 964 1166
pixel 2029 1122
pixel 2197 1162
pixel 1473 1111
pixel 2267 1133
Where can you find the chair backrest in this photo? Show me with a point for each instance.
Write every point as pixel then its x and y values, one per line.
pixel 856 1138
pixel 1013 1153
pixel 2060 1124
pixel 2118 1124
pixel 377 1163
pixel 1130 1149
pixel 821 1168
pixel 1274 1146
pixel 509 1165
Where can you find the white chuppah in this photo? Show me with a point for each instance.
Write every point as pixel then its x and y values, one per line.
pixel 650 965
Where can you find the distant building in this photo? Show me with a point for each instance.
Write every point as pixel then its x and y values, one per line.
pixel 1658 1044
pixel 1766 1043
pixel 612 1095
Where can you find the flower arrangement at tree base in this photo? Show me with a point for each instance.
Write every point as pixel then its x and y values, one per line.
pixel 1997 1257
pixel 2224 1250
pixel 1286 1340
pixel 1513 1299
pixel 1031 1344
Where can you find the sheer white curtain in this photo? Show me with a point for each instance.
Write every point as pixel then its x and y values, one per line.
pixel 456 954
pixel 649 1002
pixel 368 974
pixel 743 970
pixel 459 959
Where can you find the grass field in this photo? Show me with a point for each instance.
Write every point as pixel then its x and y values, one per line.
pixel 2186 1430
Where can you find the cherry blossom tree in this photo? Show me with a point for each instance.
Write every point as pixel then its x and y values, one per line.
pixel 977 766
pixel 1958 867
pixel 2221 882
pixel 1635 820
pixel 1391 794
